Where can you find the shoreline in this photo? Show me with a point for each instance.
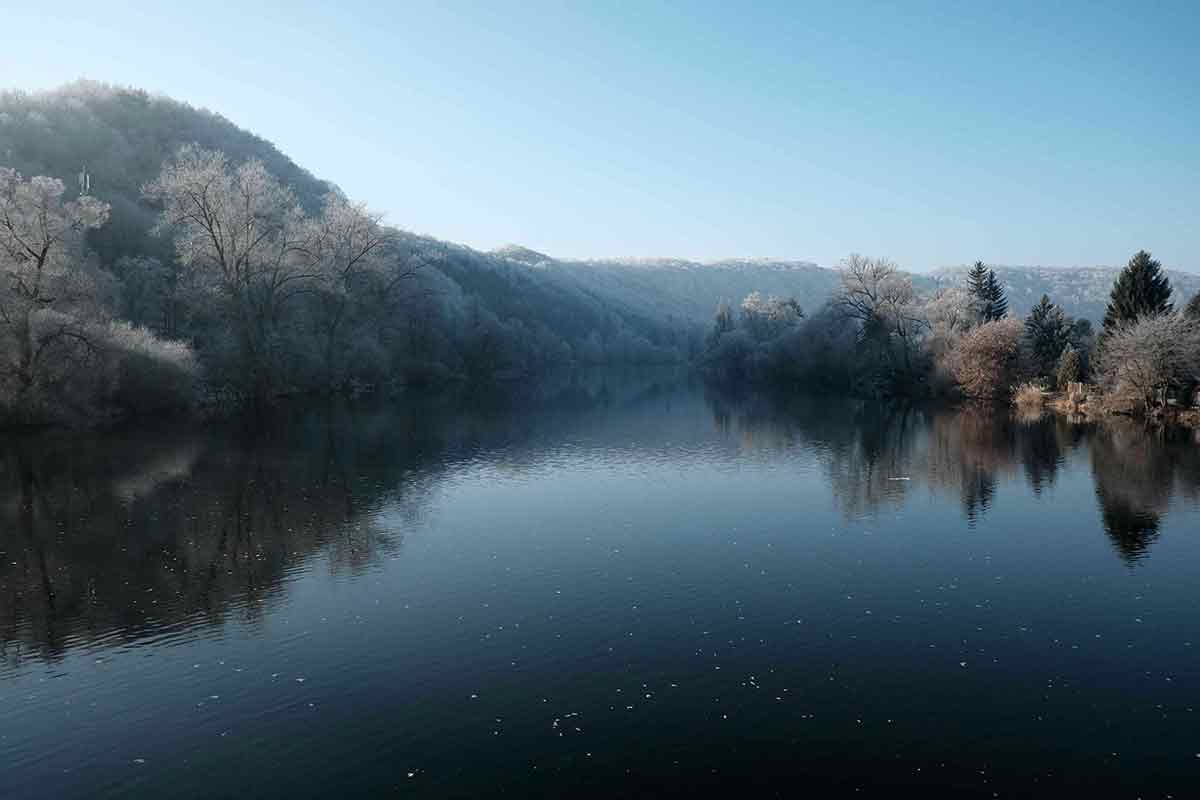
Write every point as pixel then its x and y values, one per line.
pixel 1092 411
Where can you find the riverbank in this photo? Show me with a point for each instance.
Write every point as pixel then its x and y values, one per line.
pixel 1084 406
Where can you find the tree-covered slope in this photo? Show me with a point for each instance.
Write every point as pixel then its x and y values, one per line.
pixel 122 137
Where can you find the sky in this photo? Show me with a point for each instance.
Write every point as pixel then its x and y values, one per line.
pixel 934 134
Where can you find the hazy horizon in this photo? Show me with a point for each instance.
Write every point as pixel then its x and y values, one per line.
pixel 927 135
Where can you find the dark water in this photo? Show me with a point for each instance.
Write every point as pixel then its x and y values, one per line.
pixel 611 586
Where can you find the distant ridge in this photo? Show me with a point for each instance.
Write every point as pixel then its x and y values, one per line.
pixel 522 255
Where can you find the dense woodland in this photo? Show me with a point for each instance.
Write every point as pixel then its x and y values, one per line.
pixel 158 259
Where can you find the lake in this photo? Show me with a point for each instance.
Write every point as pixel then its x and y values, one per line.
pixel 605 585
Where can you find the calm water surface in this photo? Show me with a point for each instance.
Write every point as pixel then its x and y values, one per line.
pixel 610 586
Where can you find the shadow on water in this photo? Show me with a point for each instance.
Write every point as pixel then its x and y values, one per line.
pixel 117 537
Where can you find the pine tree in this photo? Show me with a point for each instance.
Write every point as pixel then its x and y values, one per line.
pixel 1070 368
pixel 1047 332
pixel 1141 290
pixel 987 295
pixel 977 280
pixel 977 288
pixel 1193 307
pixel 997 302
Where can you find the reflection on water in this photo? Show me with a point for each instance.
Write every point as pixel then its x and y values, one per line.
pixel 120 535
pixel 874 456
pixel 416 517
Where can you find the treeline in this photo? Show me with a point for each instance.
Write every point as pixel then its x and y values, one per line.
pixel 878 335
pixel 262 299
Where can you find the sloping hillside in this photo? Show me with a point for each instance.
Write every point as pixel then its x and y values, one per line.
pixel 503 305
pixel 690 291
pixel 121 137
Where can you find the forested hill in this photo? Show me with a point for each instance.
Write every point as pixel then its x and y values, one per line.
pixel 122 137
pixel 690 290
pixel 512 310
pixel 467 311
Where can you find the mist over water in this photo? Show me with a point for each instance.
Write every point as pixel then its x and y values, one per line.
pixel 608 584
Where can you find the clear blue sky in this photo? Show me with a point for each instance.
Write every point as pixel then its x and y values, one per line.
pixel 933 134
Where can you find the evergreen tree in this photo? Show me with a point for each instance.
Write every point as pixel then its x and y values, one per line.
pixel 1048 333
pixel 1070 368
pixel 1193 307
pixel 987 295
pixel 1141 290
pixel 997 302
pixel 977 281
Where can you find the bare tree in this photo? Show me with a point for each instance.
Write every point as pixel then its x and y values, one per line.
pixel 1144 360
pixel 876 294
pixel 45 285
pixel 244 233
pixel 345 252
pixel 986 360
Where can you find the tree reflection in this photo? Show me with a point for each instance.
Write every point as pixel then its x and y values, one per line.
pixel 875 455
pixel 1134 471
pixel 118 537
pixel 125 535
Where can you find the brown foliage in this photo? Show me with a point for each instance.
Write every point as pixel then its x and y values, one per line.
pixel 985 361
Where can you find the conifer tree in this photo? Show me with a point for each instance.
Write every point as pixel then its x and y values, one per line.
pixel 1048 333
pixel 1193 307
pixel 1070 368
pixel 977 282
pixel 987 295
pixel 997 302
pixel 1141 290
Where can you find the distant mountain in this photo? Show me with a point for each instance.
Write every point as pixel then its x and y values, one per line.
pixel 688 290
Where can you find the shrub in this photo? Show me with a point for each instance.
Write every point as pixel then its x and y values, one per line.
pixel 1029 395
pixel 148 374
pixel 985 361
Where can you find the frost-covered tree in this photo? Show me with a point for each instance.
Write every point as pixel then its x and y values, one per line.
pixel 986 360
pixel 768 316
pixel 47 289
pixel 1144 360
pixel 244 235
pixel 883 303
pixel 353 285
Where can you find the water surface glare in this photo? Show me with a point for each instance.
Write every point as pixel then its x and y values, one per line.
pixel 613 586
